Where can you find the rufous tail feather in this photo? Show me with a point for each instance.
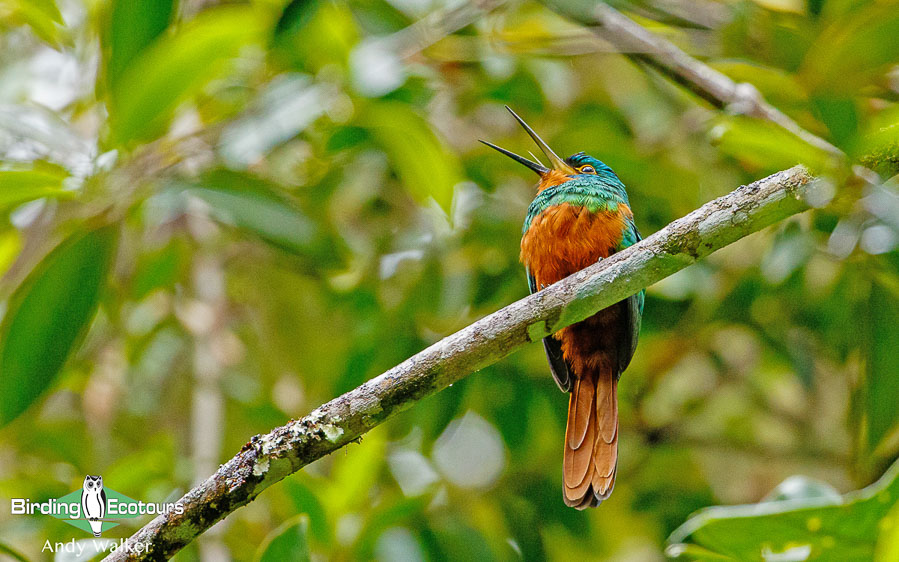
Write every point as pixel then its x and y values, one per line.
pixel 591 440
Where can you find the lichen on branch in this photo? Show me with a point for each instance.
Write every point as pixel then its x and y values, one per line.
pixel 267 459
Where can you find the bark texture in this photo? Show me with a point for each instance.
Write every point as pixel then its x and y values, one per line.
pixel 267 459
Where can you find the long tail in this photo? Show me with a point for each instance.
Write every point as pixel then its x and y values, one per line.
pixel 591 440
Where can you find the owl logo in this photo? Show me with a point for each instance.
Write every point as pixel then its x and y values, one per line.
pixel 93 502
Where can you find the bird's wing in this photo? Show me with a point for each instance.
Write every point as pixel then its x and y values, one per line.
pixel 633 307
pixel 557 364
pixel 627 343
pixel 102 503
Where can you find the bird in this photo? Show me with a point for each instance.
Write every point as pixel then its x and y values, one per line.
pixel 93 502
pixel 580 215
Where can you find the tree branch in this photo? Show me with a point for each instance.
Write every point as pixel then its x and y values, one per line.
pixel 718 89
pixel 269 458
pixel 425 32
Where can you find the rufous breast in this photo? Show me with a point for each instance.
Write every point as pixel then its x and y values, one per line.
pixel 566 238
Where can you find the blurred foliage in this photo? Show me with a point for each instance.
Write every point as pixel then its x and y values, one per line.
pixel 215 216
pixel 801 520
pixel 34 349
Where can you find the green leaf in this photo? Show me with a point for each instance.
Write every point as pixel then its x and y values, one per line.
pixel 346 137
pixel 42 16
pixel 21 186
pixel 888 542
pixel 812 524
pixel 48 314
pixel 841 116
pixel 422 162
pixel 12 553
pixel 384 517
pixel 46 7
pixel 288 542
pixel 176 67
pixel 295 17
pixel 853 50
pixel 252 204
pixel 776 85
pixel 10 246
pixel 353 474
pixel 695 552
pixel 881 390
pixel 305 500
pixel 311 34
pixel 161 268
pixel 133 25
pixel 764 145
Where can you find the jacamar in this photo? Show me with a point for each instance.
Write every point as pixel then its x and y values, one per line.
pixel 581 215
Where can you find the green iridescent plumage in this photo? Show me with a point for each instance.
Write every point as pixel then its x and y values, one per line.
pixel 598 192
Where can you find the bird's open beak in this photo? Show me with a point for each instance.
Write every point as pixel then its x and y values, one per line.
pixel 557 163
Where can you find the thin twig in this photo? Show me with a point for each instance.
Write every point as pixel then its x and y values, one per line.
pixel 425 32
pixel 718 89
pixel 268 459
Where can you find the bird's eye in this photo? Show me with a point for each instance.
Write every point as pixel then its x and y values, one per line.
pixel 587 170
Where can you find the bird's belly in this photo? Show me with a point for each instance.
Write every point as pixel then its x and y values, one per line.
pixel 565 238
pixel 591 345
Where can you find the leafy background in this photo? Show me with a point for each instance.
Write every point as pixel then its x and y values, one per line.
pixel 215 216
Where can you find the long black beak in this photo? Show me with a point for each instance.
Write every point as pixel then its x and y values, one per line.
pixel 557 163
pixel 539 168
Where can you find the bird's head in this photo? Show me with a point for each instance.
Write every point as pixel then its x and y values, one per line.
pixel 562 170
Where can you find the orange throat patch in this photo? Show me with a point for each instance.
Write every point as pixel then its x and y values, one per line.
pixel 552 178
